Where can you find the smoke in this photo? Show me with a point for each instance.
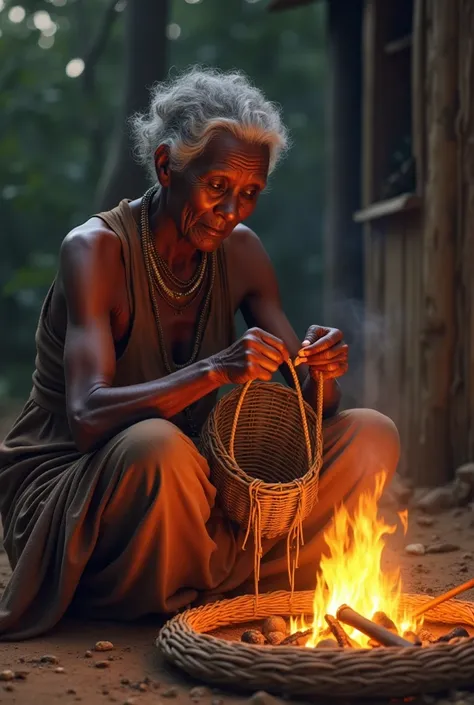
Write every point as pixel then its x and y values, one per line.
pixel 361 329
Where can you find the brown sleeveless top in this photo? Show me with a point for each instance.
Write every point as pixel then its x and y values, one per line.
pixel 142 360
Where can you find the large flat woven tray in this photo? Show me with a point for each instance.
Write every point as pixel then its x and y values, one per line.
pixel 295 671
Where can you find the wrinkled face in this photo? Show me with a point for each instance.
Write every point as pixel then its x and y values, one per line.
pixel 217 190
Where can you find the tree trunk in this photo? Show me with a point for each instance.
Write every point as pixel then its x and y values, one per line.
pixel 343 246
pixel 437 341
pixel 145 48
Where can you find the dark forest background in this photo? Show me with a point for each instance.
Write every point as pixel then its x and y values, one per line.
pixel 70 73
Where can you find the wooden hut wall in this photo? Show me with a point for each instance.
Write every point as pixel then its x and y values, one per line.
pixel 419 263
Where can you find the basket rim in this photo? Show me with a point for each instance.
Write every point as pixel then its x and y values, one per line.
pixel 309 672
pixel 232 468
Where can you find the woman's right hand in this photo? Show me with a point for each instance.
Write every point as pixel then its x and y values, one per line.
pixel 256 355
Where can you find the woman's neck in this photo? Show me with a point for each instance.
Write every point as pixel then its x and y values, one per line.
pixel 170 244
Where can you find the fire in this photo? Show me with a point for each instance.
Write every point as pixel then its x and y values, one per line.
pixel 352 573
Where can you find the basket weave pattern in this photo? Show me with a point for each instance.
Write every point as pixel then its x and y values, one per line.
pixel 264 445
pixel 297 671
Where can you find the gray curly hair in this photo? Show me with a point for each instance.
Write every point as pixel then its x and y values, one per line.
pixel 186 111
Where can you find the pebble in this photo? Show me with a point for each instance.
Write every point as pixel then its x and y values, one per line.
pixel 88 654
pixel 102 664
pixel 49 658
pixel 103 646
pixel 425 520
pixel 60 669
pixel 170 692
pixel 199 692
pixel 70 691
pixel 437 500
pixel 262 698
pixel 6 675
pixel 442 548
pixel 467 556
pixel 415 549
pixel 21 675
pixel 217 701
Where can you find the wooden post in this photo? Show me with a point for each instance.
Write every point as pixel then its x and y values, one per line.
pixel 343 239
pixel 437 331
pixel 462 418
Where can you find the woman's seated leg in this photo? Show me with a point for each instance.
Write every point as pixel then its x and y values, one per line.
pixel 157 542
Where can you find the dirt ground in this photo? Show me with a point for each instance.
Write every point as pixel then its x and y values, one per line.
pixel 135 674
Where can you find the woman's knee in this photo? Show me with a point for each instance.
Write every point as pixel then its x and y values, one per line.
pixel 146 452
pixel 152 441
pixel 376 436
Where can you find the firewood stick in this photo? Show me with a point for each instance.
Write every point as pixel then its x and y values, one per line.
pixel 445 596
pixel 293 638
pixel 337 630
pixel 347 615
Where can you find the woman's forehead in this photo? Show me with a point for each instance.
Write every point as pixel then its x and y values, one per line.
pixel 225 151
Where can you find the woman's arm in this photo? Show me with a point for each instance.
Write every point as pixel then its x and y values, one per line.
pixel 91 269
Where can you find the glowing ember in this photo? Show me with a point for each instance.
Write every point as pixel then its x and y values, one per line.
pixel 352 572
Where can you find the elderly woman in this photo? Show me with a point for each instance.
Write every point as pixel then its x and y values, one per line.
pixel 107 504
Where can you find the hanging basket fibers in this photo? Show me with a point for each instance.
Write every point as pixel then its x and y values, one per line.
pixel 264 447
pixel 305 672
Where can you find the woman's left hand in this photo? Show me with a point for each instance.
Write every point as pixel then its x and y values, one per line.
pixel 324 351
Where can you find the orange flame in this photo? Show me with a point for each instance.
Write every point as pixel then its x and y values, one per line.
pixel 351 572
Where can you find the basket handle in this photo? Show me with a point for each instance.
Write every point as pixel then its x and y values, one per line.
pixel 304 420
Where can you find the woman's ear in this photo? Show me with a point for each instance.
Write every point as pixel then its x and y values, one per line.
pixel 162 165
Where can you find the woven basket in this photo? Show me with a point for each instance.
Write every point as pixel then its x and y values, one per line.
pixel 310 673
pixel 264 448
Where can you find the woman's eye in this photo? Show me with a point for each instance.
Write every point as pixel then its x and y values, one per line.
pixel 216 186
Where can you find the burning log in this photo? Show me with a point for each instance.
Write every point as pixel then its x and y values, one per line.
pixel 426 636
pixel 297 639
pixel 383 620
pixel 411 636
pixel 337 630
pixel 385 637
pixel 453 634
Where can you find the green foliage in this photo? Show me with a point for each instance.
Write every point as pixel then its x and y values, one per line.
pixel 55 132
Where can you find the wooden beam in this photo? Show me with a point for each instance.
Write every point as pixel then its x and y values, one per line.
pixel 439 236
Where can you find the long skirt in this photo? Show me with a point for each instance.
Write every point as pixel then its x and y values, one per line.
pixel 134 528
